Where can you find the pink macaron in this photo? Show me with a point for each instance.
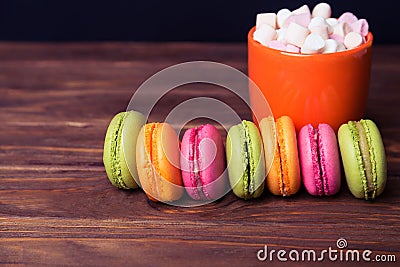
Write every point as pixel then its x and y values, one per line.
pixel 319 160
pixel 203 163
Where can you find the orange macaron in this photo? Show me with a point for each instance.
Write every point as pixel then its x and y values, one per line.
pixel 157 159
pixel 282 160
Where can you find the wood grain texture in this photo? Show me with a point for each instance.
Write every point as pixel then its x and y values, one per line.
pixel 58 208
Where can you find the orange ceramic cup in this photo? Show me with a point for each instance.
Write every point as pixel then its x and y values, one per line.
pixel 321 88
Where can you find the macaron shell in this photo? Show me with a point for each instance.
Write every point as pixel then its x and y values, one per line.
pixel 274 176
pixel 268 134
pixel 310 169
pixel 114 156
pixel 211 163
pixel 236 160
pixel 329 157
pixel 286 135
pixel 352 161
pixel 133 122
pixel 257 160
pixel 378 150
pixel 157 156
pixel 286 160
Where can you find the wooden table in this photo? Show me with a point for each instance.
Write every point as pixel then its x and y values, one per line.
pixel 58 208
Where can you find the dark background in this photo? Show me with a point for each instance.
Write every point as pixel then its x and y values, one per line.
pixel 206 20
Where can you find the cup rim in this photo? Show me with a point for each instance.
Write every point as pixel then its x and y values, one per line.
pixel 367 44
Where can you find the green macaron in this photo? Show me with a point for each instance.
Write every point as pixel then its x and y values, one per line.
pixel 245 157
pixel 364 159
pixel 119 155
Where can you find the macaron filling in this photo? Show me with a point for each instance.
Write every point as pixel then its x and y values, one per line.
pixel 248 175
pixel 322 165
pixel 115 152
pixel 195 166
pixel 316 160
pixel 365 157
pixel 280 146
pixel 151 135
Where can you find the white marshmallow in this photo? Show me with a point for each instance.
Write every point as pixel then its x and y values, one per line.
pixel 316 21
pixel 281 35
pixel 292 48
pixel 319 21
pixel 347 17
pixel 296 34
pixel 341 48
pixel 264 34
pixel 274 44
pixel 266 18
pixel 331 46
pixel 360 26
pixel 342 29
pixel 332 21
pixel 322 10
pixel 313 44
pixel 321 30
pixel 352 40
pixel 301 10
pixel 281 16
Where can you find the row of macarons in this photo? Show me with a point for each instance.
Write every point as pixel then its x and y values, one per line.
pixel 270 155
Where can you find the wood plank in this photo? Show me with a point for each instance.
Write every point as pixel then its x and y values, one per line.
pixel 58 208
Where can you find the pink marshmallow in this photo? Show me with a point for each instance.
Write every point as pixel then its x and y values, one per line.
pixel 292 49
pixel 301 19
pixel 360 26
pixel 347 17
pixel 337 38
pixel 274 44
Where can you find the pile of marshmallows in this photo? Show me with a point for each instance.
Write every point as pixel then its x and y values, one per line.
pixel 300 31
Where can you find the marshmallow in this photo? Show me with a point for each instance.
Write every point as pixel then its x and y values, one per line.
pixel 347 17
pixel 292 49
pixel 337 38
pixel 331 46
pixel 313 44
pixel 301 19
pixel 331 21
pixel 341 48
pixel 264 34
pixel 316 21
pixel 360 26
pixel 266 18
pixel 277 45
pixel 296 34
pixel 352 40
pixel 281 35
pixel 322 10
pixel 342 29
pixel 321 30
pixel 302 10
pixel 281 16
